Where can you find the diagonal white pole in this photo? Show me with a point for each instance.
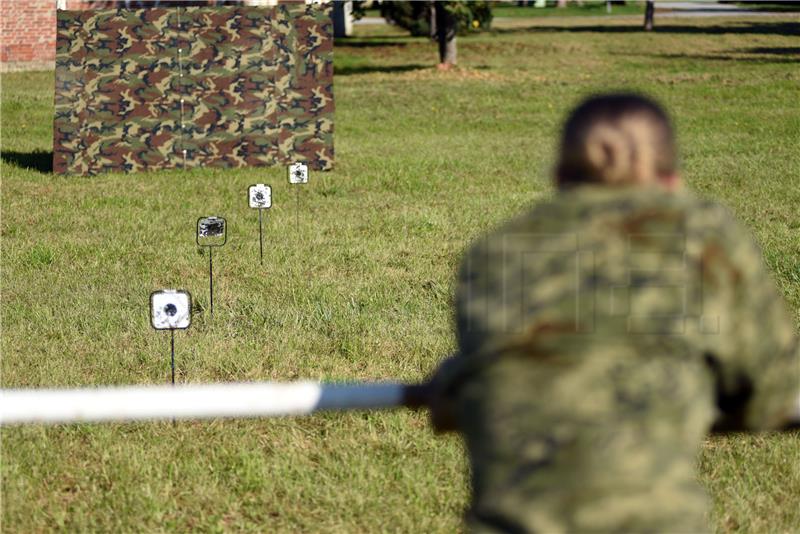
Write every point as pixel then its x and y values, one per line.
pixel 264 399
pixel 135 403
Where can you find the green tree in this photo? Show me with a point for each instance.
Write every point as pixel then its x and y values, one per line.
pixel 442 21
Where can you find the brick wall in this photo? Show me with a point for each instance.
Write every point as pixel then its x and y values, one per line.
pixel 28 27
pixel 28 32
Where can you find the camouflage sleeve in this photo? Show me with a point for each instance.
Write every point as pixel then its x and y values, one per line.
pixel 452 371
pixel 442 399
pixel 756 360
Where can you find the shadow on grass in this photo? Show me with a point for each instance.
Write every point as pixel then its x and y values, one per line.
pixel 403 37
pixel 346 70
pixel 721 57
pixel 741 28
pixel 38 160
pixel 785 51
pixel 341 43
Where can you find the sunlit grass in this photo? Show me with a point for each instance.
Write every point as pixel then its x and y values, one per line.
pixel 361 287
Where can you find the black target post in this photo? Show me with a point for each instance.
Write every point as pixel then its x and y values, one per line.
pixel 172 352
pixel 211 232
pixel 298 175
pixel 260 239
pixel 259 196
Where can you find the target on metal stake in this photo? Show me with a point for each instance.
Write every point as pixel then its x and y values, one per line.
pixel 298 175
pixel 260 197
pixel 171 309
pixel 211 232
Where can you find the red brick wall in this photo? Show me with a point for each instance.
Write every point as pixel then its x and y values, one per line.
pixel 28 31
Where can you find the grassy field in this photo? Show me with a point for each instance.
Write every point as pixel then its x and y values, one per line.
pixel 361 287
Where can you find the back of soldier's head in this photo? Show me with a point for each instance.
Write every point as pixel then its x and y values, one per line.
pixel 614 140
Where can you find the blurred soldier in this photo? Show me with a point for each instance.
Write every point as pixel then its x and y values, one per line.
pixel 603 333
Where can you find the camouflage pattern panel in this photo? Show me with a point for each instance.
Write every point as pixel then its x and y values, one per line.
pixel 227 65
pixel 600 335
pixel 69 91
pixel 304 84
pixel 136 115
pixel 129 109
pixel 145 89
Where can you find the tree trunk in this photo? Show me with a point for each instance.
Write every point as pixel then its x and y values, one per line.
pixel 649 9
pixel 445 35
pixel 343 18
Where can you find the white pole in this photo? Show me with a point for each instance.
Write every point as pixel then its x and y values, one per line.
pixel 135 403
pixel 264 399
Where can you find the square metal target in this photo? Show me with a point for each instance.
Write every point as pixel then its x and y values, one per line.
pixel 211 231
pixel 260 196
pixel 170 309
pixel 298 173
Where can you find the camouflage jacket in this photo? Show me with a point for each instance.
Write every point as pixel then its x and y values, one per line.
pixel 600 336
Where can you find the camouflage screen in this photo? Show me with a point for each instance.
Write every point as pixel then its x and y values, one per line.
pixel 159 88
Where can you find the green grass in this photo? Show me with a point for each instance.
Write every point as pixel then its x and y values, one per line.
pixel 361 288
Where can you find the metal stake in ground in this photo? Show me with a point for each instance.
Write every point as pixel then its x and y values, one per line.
pixel 172 353
pixel 298 175
pixel 171 309
pixel 211 232
pixel 259 197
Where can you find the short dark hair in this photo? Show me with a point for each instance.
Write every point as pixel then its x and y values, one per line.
pixel 616 139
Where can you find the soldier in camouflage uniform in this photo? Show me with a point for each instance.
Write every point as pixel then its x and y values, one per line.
pixel 603 333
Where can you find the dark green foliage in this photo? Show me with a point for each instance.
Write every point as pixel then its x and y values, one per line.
pixel 416 16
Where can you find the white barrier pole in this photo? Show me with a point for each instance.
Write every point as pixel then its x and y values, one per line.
pixel 192 401
pixel 265 399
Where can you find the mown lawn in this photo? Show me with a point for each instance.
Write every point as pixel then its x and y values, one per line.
pixel 361 288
